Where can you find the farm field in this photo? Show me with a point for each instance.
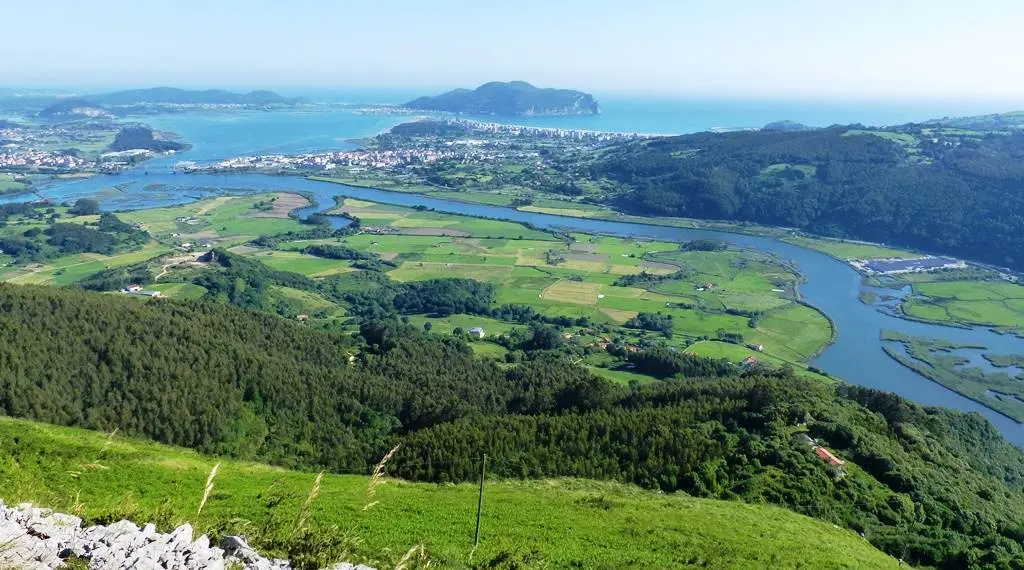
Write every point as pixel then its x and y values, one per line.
pixel 401 220
pixel 225 220
pixel 72 268
pixel 995 303
pixel 296 262
pixel 9 185
pixel 107 478
pixel 580 276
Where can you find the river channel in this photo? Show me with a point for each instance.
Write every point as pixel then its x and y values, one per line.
pixel 830 285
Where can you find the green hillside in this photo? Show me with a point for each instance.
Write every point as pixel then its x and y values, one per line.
pixel 546 523
pixel 935 487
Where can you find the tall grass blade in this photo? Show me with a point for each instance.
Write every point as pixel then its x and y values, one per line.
pixel 302 521
pixel 377 479
pixel 208 489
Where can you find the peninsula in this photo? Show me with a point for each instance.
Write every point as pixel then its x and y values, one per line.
pixel 176 96
pixel 515 98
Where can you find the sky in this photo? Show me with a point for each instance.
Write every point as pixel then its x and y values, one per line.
pixel 937 49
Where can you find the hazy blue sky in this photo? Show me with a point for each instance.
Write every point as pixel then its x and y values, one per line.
pixel 855 49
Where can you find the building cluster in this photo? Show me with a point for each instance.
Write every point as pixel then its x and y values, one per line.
pixel 545 132
pixel 893 266
pixel 36 149
pixel 138 291
pixel 36 159
pixel 325 161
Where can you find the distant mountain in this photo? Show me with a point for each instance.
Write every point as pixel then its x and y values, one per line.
pixel 785 126
pixel 141 137
pixel 515 98
pixel 175 96
pixel 74 109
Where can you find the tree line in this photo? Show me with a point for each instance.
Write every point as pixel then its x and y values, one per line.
pixel 959 196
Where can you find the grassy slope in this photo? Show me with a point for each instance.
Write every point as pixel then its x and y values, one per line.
pixel 552 523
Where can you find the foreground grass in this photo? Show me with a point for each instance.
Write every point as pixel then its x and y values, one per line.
pixel 548 523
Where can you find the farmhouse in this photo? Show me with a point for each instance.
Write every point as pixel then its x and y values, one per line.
pixel 478 332
pixel 140 292
pixel 826 456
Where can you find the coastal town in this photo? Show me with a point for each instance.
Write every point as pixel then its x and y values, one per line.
pixel 64 148
pixel 425 142
pixel 326 161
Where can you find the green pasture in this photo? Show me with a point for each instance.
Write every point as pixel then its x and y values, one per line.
pixel 555 523
pixel 69 269
pixel 998 303
pixel 301 263
pixel 222 219
pixel 178 290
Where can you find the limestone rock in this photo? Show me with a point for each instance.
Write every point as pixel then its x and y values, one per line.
pixel 38 539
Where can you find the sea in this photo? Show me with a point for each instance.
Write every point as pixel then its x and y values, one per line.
pixel 221 135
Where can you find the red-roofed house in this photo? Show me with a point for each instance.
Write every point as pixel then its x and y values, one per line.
pixel 827 457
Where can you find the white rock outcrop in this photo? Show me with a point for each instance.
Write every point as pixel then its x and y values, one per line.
pixel 32 538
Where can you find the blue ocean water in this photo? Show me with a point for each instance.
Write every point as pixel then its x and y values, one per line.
pixel 217 136
pixel 679 116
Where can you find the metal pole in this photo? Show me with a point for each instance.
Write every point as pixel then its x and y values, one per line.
pixel 480 500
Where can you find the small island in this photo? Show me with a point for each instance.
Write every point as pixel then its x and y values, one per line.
pixel 514 98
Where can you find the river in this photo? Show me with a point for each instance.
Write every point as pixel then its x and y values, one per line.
pixel 830 285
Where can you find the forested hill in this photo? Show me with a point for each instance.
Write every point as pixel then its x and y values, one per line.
pixel 173 95
pixel 140 136
pixel 74 109
pixel 922 186
pixel 932 486
pixel 509 99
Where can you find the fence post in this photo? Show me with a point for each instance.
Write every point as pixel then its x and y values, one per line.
pixel 480 500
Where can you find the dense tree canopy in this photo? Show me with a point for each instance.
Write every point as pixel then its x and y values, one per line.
pixel 960 196
pixel 934 486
